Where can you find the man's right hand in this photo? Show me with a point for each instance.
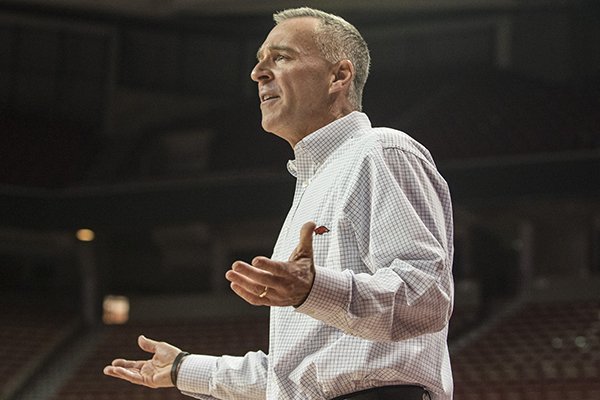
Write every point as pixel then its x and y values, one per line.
pixel 154 373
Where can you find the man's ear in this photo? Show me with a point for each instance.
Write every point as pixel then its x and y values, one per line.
pixel 342 76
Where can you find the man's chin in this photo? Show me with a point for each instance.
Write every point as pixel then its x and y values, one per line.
pixel 272 129
pixel 269 125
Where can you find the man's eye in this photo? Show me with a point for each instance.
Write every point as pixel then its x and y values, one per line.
pixel 280 57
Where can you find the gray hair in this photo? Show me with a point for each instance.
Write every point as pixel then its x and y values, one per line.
pixel 338 40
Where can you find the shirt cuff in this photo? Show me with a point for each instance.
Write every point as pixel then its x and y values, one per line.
pixel 329 297
pixel 195 373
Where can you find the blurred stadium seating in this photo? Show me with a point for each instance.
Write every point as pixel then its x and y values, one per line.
pixel 139 121
pixel 539 351
pixel 32 332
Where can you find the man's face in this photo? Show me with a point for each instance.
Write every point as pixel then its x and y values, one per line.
pixel 293 81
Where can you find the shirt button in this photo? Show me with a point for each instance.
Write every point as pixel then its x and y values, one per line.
pixel 304 184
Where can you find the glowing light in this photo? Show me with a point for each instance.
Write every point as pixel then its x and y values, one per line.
pixel 115 310
pixel 85 235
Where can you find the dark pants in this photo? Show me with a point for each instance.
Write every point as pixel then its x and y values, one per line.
pixel 403 392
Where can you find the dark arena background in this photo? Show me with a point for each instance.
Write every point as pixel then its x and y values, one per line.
pixel 133 171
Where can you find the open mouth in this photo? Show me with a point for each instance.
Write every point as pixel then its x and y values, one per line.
pixel 267 97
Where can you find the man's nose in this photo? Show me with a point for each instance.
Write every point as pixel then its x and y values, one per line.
pixel 260 72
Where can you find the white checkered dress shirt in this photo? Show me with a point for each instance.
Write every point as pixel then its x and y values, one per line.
pixel 379 308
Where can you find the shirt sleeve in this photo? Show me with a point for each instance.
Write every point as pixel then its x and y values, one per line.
pixel 400 214
pixel 225 377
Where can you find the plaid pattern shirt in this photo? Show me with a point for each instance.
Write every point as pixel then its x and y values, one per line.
pixel 382 297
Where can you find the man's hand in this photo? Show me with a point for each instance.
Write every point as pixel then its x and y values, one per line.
pixel 276 283
pixel 154 373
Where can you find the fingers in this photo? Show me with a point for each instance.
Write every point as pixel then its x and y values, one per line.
pixel 251 297
pixel 306 232
pixel 120 362
pixel 154 372
pixel 277 283
pixel 130 374
pixel 305 244
pixel 266 270
pixel 148 345
pixel 117 372
pixel 262 271
pixel 249 282
pixel 254 278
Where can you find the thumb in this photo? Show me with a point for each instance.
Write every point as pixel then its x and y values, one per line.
pixel 148 345
pixel 305 245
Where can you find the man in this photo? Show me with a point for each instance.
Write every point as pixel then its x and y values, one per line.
pixel 360 308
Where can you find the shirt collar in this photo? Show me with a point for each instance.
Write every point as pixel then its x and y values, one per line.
pixel 312 151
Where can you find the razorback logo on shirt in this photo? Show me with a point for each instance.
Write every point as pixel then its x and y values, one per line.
pixel 319 230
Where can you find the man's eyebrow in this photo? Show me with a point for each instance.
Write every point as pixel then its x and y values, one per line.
pixel 260 51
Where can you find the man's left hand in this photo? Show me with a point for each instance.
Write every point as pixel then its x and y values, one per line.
pixel 266 282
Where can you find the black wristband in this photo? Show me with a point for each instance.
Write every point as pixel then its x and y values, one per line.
pixel 176 365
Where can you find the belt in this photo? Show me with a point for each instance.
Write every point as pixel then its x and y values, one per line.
pixel 400 392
